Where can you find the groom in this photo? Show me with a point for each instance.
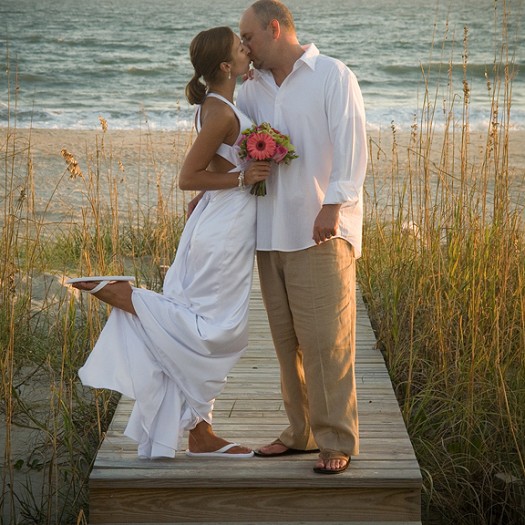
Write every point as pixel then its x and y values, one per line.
pixel 309 228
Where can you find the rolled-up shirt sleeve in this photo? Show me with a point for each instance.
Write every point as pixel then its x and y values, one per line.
pixel 347 128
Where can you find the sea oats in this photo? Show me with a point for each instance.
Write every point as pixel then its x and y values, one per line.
pixel 103 123
pixel 72 164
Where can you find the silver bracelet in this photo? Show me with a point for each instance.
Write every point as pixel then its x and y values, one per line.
pixel 240 179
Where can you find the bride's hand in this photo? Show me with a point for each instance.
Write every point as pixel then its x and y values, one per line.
pixel 257 171
pixel 193 203
pixel 248 76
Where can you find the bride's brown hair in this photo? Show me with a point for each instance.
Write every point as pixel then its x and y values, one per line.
pixel 207 51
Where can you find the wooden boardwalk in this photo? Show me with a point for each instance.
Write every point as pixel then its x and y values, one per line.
pixel 382 484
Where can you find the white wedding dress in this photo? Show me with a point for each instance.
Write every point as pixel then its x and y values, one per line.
pixel 173 357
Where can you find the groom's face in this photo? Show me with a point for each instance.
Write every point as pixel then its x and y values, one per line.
pixel 256 39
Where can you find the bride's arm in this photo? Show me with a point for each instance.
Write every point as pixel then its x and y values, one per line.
pixel 217 125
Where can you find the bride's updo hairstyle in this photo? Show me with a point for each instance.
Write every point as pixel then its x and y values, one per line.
pixel 207 51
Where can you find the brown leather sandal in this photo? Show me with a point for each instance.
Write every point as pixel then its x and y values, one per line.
pixel 328 454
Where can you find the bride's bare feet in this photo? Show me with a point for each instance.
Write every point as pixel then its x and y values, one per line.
pixel 202 439
pixel 117 294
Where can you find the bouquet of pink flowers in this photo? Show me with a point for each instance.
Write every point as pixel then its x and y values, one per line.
pixel 265 143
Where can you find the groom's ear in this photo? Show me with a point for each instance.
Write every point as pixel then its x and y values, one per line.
pixel 276 28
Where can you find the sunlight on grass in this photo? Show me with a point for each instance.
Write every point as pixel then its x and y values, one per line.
pixel 443 276
pixel 444 279
pixel 53 426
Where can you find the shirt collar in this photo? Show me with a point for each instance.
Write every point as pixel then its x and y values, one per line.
pixel 309 58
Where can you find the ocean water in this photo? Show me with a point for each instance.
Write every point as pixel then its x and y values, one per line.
pixel 65 63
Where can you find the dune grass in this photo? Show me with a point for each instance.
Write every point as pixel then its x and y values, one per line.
pixel 444 279
pixel 443 275
pixel 52 425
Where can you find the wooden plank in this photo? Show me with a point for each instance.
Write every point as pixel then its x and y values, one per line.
pixel 243 504
pixel 382 484
pixel 251 522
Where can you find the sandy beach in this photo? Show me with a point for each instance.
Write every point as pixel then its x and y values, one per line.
pixel 137 167
pixel 139 146
pixel 142 166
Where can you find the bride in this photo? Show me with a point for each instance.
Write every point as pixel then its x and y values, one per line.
pixel 172 352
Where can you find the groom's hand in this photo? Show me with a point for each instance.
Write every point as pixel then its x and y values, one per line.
pixel 326 223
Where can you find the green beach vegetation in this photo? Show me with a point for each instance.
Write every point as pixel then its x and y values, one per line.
pixel 52 426
pixel 443 276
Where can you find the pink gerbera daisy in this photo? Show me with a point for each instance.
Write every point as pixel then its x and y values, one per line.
pixel 260 146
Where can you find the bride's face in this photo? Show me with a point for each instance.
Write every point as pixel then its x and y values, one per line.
pixel 240 60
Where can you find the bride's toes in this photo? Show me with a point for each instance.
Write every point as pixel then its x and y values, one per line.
pixel 239 449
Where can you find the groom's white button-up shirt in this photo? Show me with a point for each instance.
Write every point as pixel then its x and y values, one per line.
pixel 319 105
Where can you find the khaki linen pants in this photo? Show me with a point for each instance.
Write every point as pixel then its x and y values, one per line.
pixel 310 299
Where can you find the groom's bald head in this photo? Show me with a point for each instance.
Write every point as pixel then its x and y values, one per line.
pixel 268 10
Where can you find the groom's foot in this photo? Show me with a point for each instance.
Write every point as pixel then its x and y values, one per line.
pixel 331 462
pixel 273 449
pixel 278 448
